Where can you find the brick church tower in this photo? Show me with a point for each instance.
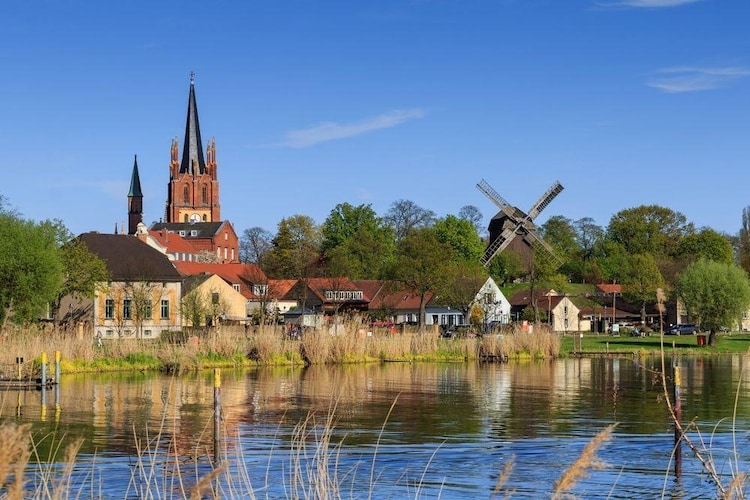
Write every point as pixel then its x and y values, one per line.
pixel 193 192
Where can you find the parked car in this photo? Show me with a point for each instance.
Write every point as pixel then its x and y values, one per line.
pixel 683 329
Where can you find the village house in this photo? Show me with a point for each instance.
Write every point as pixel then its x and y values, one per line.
pixel 142 298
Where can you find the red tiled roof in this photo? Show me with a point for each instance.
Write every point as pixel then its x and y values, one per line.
pixel 244 275
pixel 609 288
pixel 278 288
pixel 173 242
pixel 398 300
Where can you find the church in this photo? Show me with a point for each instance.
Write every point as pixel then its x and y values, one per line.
pixel 192 228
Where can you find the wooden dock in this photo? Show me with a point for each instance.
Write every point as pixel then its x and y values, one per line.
pixel 25 384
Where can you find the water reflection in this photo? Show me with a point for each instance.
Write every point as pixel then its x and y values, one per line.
pixel 452 427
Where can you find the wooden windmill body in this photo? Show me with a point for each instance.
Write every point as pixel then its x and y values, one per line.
pixel 514 229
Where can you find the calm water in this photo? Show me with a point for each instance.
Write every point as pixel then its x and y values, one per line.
pixel 399 430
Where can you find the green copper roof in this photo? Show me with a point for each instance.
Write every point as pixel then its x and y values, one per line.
pixel 135 181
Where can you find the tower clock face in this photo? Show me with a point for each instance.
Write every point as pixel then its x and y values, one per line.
pixel 195 218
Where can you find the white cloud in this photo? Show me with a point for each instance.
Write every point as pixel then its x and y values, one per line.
pixel 653 4
pixel 689 79
pixel 330 131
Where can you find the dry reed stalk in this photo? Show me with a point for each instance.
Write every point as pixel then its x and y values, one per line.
pixel 503 477
pixel 585 461
pixel 15 450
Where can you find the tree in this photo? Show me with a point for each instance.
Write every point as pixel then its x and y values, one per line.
pixel 404 216
pixel 255 243
pixel 462 236
pixel 473 215
pixel 82 269
pixel 589 236
pixel 423 265
pixel 715 294
pixel 707 244
pixel 31 269
pixel 295 249
pixel 743 252
pixel 641 281
pixel 561 234
pixel 356 242
pixel 649 229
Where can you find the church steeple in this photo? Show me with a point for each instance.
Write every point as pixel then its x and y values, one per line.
pixel 135 199
pixel 193 194
pixel 192 154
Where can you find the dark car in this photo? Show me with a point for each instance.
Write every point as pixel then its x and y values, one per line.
pixel 683 329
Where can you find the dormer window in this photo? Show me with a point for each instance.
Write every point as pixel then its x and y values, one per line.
pixel 236 286
pixel 182 232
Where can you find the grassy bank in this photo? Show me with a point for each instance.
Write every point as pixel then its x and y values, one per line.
pixel 235 348
pixel 591 344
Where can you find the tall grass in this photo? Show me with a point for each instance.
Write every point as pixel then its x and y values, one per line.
pixel 267 345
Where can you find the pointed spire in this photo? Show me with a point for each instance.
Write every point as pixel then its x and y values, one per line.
pixel 192 152
pixel 135 180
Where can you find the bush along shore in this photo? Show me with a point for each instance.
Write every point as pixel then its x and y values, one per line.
pixel 236 348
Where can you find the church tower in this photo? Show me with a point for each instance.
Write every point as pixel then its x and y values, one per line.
pixel 135 200
pixel 193 192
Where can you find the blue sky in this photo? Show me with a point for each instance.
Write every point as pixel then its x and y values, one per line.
pixel 315 103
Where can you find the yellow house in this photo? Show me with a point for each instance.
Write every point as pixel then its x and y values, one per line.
pixel 208 298
pixel 141 300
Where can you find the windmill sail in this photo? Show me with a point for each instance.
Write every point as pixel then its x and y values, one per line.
pixel 545 200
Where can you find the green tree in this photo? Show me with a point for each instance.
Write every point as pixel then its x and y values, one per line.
pixel 82 270
pixel 295 249
pixel 707 244
pixel 473 215
pixel 423 264
pixel 715 294
pixel 649 229
pixel 561 234
pixel 31 269
pixel 356 242
pixel 641 281
pixel 462 236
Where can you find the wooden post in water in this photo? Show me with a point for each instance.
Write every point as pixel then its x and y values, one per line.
pixel 678 419
pixel 217 416
pixel 44 386
pixel 19 364
pixel 58 358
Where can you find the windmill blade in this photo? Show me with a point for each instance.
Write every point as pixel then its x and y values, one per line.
pixel 545 200
pixel 495 197
pixel 540 244
pixel 498 245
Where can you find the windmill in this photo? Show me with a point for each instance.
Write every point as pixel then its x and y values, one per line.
pixel 512 226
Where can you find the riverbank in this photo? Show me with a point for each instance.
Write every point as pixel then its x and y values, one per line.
pixel 265 346
pixel 592 344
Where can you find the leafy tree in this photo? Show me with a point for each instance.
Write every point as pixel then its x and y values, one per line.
pixel 462 236
pixel 365 255
pixel 649 229
pixel 641 281
pixel 715 294
pixel 404 216
pixel 423 264
pixel 82 270
pixel 295 249
pixel 561 234
pixel 255 243
pixel 31 270
pixel 356 242
pixel 613 261
pixel 707 244
pixel 506 267
pixel 473 215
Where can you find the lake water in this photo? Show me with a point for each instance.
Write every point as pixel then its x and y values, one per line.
pixel 396 430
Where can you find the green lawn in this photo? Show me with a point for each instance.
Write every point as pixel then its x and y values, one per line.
pixel 686 344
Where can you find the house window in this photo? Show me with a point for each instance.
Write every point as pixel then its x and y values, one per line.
pixel 489 298
pixel 236 286
pixel 164 309
pixel 109 309
pixel 186 194
pixel 204 218
pixel 147 310
pixel 214 298
pixel 185 220
pixel 225 253
pixel 109 333
pixel 146 333
pixel 232 253
pixel 194 232
pixel 204 195
pixel 182 231
pixel 565 310
pixel 126 309
pixel 260 289
pixel 226 236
